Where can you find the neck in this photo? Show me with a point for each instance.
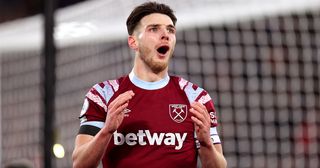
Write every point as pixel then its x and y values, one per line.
pixel 144 73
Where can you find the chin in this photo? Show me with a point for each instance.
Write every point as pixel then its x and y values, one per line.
pixel 158 67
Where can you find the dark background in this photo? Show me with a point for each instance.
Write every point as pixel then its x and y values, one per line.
pixel 15 9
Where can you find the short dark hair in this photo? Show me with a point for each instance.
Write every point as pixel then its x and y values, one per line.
pixel 146 9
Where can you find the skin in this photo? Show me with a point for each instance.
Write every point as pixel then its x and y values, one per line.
pixel 210 154
pixel 153 31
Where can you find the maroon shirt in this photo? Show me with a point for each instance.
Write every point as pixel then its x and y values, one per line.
pixel 157 130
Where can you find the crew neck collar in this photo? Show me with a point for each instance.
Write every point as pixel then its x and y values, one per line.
pixel 149 85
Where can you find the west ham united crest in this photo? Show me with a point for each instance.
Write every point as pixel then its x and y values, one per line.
pixel 178 112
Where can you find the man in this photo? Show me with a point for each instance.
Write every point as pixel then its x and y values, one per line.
pixel 148 118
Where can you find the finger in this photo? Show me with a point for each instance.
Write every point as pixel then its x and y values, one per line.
pixel 199 106
pixel 197 122
pixel 121 99
pixel 205 121
pixel 117 112
pixel 202 109
pixel 121 108
pixel 197 111
pixel 198 115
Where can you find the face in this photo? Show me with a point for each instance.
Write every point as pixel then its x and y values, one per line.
pixel 155 39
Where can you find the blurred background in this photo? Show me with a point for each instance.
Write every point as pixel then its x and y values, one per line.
pixel 18 9
pixel 259 60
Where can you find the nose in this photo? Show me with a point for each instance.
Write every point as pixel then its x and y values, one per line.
pixel 164 35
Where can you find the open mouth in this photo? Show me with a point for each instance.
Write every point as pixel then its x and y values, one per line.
pixel 163 49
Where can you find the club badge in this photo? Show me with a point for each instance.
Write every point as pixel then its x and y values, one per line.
pixel 178 112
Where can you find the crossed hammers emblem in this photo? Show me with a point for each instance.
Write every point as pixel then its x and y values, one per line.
pixel 178 112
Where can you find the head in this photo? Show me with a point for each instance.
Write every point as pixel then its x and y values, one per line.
pixel 151 29
pixel 146 9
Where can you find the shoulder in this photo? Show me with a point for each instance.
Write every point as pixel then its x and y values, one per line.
pixel 102 92
pixel 183 83
pixel 108 85
pixel 193 91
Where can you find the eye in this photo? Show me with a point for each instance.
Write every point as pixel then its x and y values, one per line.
pixel 171 30
pixel 154 29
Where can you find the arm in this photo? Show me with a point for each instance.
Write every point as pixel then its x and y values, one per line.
pixel 211 155
pixel 90 149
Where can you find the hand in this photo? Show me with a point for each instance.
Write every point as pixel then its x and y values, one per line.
pixel 116 108
pixel 201 120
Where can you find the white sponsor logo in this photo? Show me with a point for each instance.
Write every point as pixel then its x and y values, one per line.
pixel 126 112
pixel 144 137
pixel 213 118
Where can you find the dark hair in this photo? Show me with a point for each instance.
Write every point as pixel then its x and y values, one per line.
pixel 146 9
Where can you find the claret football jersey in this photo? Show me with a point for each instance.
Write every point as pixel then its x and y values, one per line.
pixel 157 130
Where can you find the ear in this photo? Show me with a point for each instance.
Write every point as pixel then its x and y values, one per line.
pixel 132 43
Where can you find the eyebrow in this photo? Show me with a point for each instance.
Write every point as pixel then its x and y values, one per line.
pixel 158 25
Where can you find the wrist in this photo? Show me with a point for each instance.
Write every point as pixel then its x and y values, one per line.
pixel 106 131
pixel 208 143
pixel 209 146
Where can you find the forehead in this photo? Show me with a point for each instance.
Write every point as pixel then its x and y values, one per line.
pixel 155 18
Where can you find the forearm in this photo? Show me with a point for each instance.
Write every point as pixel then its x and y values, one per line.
pixel 90 153
pixel 211 158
